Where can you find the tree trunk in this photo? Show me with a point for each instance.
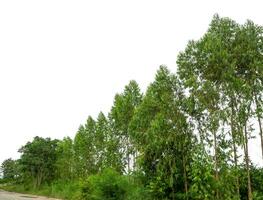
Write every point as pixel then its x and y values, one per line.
pixel 128 154
pixel 261 134
pixel 216 162
pixel 247 164
pixel 233 134
pixel 260 126
pixel 185 178
pixel 172 178
pixel 128 158
pixel 236 167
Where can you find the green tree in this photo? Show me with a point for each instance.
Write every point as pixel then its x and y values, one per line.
pixel 9 169
pixel 38 160
pixel 121 115
pixel 101 139
pixel 65 159
pixel 84 148
pixel 163 137
pixel 222 71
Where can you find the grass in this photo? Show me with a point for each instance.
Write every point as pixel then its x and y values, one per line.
pixel 61 190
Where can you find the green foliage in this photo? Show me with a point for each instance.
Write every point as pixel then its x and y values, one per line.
pixel 121 114
pixel 164 137
pixel 58 189
pixel 84 149
pixel 65 190
pixel 257 177
pixel 38 160
pixel 65 159
pixel 9 169
pixel 203 183
pixel 108 185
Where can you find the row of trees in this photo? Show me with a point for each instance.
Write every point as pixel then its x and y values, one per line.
pixel 186 138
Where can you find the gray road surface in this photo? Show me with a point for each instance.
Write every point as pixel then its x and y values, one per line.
pixel 15 196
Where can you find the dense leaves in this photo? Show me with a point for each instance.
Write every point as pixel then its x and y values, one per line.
pixel 9 169
pixel 37 160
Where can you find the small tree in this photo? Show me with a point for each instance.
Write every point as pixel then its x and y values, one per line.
pixel 38 160
pixel 9 169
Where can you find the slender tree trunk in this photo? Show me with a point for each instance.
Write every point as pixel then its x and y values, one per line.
pixel 261 134
pixel 216 162
pixel 134 159
pixel 185 178
pixel 172 178
pixel 128 158
pixel 247 164
pixel 128 154
pixel 260 125
pixel 35 183
pixel 236 167
pixel 233 134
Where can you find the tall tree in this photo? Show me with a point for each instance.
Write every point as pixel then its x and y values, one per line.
pixel 100 141
pixel 208 69
pixel 163 137
pixel 250 67
pixel 121 115
pixel 65 159
pixel 84 149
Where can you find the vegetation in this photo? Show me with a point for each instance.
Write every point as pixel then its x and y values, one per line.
pixel 186 138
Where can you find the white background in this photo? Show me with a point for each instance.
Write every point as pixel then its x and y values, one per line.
pixel 61 61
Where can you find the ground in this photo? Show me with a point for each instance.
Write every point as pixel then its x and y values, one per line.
pixel 16 196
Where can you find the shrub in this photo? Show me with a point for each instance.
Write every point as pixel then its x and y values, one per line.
pixel 66 190
pixel 108 185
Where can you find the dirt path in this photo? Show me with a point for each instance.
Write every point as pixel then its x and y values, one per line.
pixel 16 196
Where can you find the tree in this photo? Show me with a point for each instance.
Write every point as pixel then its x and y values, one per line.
pixel 211 70
pixel 101 142
pixel 38 160
pixel 163 137
pixel 121 115
pixel 79 146
pixel 9 169
pixel 65 159
pixel 84 149
pixel 113 146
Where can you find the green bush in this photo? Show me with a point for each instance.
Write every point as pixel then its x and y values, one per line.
pixel 108 185
pixel 2 181
pixel 66 190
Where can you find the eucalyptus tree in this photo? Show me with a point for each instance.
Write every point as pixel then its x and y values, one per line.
pixel 248 50
pixel 222 71
pixel 84 148
pixel 250 66
pixel 113 152
pixel 79 150
pixel 121 115
pixel 247 78
pixel 65 159
pixel 207 69
pixel 163 138
pixel 100 141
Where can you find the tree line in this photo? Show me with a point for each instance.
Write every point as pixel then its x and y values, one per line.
pixel 187 137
